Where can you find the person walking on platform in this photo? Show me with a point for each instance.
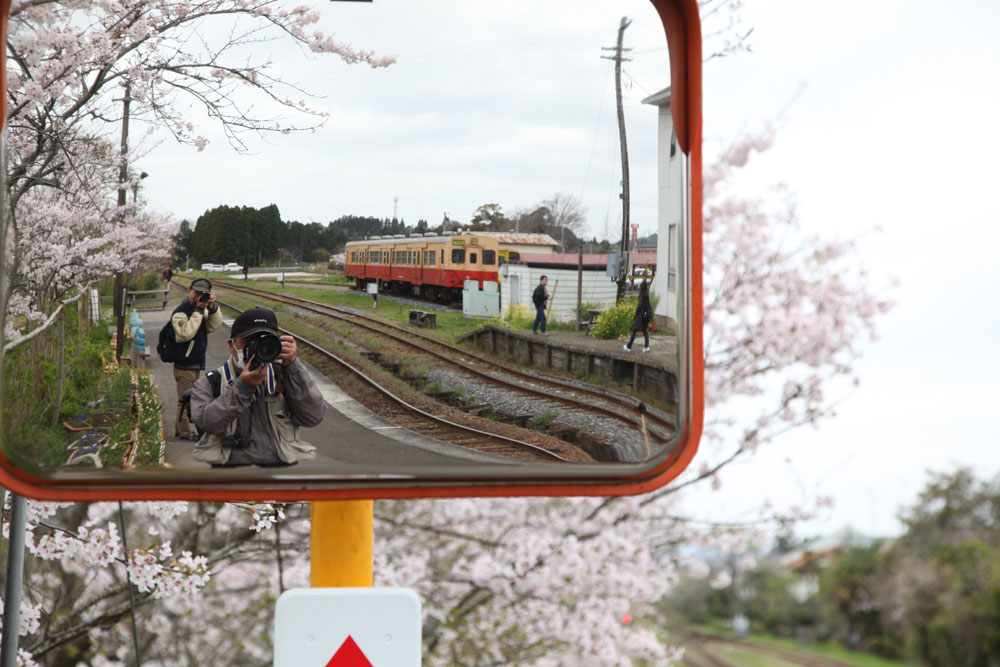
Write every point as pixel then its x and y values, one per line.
pixel 642 318
pixel 195 318
pixel 250 409
pixel 540 298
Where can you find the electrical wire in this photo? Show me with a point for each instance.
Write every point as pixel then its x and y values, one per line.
pixel 597 129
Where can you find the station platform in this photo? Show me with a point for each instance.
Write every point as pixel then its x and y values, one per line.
pixel 351 438
pixel 654 372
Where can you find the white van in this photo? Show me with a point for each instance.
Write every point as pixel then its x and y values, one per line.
pixel 208 267
pixel 232 266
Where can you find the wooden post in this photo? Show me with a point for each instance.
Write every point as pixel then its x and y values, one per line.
pixel 61 372
pixel 119 302
pixel 579 288
pixel 619 58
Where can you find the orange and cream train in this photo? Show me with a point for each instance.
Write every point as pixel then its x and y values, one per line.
pixel 431 266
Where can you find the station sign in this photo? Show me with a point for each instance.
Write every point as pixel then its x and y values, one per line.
pixel 347 627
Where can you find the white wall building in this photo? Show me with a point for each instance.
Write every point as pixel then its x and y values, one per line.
pixel 674 201
pixel 518 282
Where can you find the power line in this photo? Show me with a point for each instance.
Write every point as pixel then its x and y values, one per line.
pixel 597 130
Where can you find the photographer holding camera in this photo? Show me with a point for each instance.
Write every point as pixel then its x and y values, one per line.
pixel 195 318
pixel 251 409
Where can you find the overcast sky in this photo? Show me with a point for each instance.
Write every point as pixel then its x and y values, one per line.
pixel 505 103
pixel 888 121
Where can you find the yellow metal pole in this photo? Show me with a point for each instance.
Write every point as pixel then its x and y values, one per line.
pixel 340 548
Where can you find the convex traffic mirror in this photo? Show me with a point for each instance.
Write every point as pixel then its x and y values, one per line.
pixel 470 261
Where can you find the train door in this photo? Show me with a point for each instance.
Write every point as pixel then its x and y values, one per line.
pixel 432 268
pixel 419 261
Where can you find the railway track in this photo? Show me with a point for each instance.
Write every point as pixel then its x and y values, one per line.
pixel 406 415
pixel 652 425
pixel 386 296
pixel 697 653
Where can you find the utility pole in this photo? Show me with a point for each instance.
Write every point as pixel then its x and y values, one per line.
pixel 395 207
pixel 119 296
pixel 618 58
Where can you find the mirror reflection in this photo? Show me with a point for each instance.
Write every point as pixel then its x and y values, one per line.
pixel 485 280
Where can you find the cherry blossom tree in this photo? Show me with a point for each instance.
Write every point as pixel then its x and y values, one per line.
pixel 504 581
pixel 70 66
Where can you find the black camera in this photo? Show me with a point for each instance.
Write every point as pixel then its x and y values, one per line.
pixel 264 346
pixel 235 442
pixel 204 296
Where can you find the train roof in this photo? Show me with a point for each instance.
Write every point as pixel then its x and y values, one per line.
pixel 410 239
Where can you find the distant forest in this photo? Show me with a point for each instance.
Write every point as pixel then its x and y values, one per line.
pixel 259 237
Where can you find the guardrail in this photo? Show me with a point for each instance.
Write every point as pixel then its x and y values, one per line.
pixel 139 298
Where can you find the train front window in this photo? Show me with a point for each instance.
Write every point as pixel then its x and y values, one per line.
pixel 489 257
pixel 458 256
pixel 472 258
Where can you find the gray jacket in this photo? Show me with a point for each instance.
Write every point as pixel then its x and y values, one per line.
pixel 269 417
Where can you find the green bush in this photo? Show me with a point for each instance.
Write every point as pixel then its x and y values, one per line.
pixel 30 378
pixel 583 312
pixel 615 322
pixel 145 281
pixel 139 282
pixel 518 316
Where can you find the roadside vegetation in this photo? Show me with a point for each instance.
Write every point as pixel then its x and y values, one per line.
pixel 41 426
pixel 930 596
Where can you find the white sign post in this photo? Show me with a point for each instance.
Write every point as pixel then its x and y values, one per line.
pixel 347 627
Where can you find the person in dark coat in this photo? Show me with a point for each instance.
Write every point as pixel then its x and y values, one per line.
pixel 195 318
pixel 540 298
pixel 642 318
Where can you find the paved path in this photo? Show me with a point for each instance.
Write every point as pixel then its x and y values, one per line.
pixel 351 439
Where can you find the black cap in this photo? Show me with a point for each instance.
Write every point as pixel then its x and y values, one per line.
pixel 253 320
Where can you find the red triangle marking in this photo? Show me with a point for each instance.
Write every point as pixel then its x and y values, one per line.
pixel 349 655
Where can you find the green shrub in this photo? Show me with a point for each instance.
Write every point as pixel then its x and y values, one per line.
pixel 30 380
pixel 139 282
pixel 544 419
pixel 615 322
pixel 518 316
pixel 583 312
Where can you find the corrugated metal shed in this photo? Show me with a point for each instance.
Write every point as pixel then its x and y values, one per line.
pixel 518 282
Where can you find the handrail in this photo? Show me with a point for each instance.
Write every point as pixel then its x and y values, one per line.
pixel 52 318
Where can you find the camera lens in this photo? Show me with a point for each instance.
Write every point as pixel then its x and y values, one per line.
pixel 268 347
pixel 265 345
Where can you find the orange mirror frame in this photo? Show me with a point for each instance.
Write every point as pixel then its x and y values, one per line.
pixel 682 25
